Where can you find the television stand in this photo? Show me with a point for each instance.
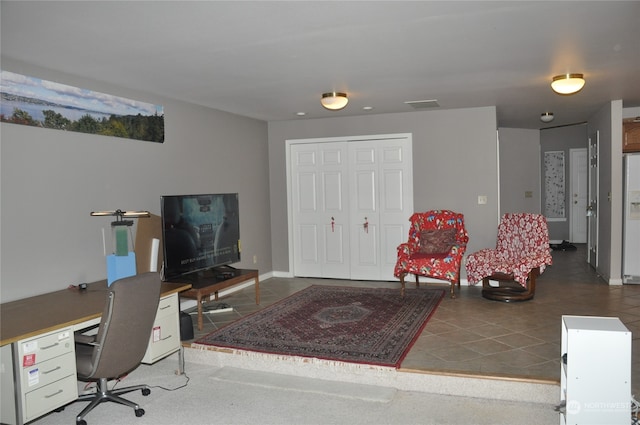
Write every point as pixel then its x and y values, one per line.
pixel 210 282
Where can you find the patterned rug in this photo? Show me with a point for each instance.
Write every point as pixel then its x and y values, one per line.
pixel 360 325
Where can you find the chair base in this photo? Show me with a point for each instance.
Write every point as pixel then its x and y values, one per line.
pixel 102 394
pixel 509 290
pixel 402 285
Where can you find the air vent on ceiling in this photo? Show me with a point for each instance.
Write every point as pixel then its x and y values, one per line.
pixel 423 104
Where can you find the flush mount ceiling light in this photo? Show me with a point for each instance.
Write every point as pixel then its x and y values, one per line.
pixel 546 117
pixel 567 83
pixel 334 101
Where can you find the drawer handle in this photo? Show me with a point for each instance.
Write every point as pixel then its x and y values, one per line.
pixel 52 370
pixel 166 338
pixel 50 346
pixel 54 394
pixel 165 307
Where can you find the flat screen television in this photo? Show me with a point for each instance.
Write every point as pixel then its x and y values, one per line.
pixel 200 232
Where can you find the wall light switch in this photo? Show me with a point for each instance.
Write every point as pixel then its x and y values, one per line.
pixel 482 200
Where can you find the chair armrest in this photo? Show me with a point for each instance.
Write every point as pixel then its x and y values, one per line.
pixel 404 249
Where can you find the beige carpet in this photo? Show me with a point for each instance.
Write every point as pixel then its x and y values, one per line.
pixel 217 395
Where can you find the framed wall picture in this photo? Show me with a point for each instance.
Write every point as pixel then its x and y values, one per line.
pixel 554 185
pixel 47 104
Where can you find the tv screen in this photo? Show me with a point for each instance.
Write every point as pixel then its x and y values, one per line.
pixel 200 232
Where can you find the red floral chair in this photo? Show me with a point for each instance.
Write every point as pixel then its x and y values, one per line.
pixel 521 255
pixel 437 242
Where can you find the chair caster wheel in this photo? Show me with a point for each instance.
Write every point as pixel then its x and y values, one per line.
pixel 146 391
pixel 81 422
pixel 139 412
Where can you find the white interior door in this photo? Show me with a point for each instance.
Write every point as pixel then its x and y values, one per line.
pixel 592 207
pixel 365 214
pixel 381 197
pixel 320 211
pixel 396 201
pixel 350 201
pixel 578 161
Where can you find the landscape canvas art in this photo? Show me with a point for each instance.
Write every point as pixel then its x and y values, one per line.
pixel 46 104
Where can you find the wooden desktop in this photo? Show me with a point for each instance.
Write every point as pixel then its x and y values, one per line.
pixel 37 346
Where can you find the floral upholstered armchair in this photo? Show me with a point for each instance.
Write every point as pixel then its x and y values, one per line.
pixel 521 255
pixel 436 245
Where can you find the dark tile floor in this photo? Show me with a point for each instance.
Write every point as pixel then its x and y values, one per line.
pixel 472 335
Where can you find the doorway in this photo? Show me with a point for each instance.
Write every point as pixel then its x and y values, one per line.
pixel 592 207
pixel 578 164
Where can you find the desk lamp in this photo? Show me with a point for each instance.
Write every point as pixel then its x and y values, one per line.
pixel 123 262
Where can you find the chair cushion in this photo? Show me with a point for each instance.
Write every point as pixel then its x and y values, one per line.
pixel 437 241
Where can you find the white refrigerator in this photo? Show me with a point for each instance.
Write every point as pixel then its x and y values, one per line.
pixel 631 223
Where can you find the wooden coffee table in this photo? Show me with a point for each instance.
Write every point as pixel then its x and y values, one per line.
pixel 211 282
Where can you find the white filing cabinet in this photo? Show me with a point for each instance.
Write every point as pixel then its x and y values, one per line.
pixel 165 336
pixel 44 375
pixel 39 373
pixel 595 376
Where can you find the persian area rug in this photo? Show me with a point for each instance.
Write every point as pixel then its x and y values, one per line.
pixel 360 325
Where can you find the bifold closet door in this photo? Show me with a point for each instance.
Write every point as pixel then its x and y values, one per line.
pixel 351 203
pixel 320 217
pixel 381 200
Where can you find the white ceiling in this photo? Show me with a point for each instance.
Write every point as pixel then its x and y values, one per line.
pixel 269 60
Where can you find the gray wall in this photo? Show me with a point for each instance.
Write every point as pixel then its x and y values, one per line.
pixel 51 180
pixel 561 139
pixel 454 161
pixel 519 170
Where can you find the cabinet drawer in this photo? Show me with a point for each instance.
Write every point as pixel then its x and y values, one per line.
pixel 44 373
pixel 164 340
pixel 167 306
pixel 50 397
pixel 45 347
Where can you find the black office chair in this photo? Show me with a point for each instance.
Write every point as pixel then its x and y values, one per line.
pixel 121 341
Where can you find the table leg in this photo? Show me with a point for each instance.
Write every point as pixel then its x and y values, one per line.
pixel 199 312
pixel 180 370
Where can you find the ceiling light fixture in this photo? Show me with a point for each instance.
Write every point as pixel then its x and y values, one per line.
pixel 334 101
pixel 567 83
pixel 119 215
pixel 546 117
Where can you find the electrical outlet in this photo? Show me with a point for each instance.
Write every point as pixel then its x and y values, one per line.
pixel 482 200
pixel 528 194
pixel 255 259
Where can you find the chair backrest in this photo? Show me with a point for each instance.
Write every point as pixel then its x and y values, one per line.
pixel 522 234
pixel 436 220
pixel 126 324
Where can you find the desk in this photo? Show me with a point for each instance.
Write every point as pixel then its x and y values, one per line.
pixel 208 283
pixel 56 316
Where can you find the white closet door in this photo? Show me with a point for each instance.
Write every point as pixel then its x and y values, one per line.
pixel 396 201
pixel 320 217
pixel 364 205
pixel 381 201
